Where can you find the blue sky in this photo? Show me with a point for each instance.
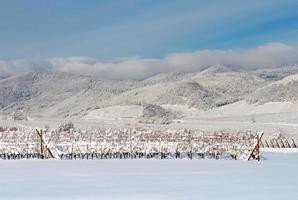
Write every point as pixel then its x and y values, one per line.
pixel 141 28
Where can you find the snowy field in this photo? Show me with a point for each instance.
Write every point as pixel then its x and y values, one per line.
pixel 275 177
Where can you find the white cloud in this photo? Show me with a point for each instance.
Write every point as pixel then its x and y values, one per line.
pixel 265 56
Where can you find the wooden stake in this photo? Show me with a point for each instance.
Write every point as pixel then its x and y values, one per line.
pixel 276 141
pixel 256 150
pixel 288 144
pixel 267 145
pixel 294 144
pixel 272 144
pixel 282 144
pixel 39 134
pixel 71 153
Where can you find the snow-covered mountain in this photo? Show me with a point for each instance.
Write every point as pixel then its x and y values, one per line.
pixel 59 94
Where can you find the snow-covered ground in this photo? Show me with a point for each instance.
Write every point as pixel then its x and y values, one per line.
pixel 280 150
pixel 241 108
pixel 275 177
pixel 132 111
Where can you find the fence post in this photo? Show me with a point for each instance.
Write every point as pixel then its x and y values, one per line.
pixel 282 144
pixel 272 144
pixel 39 133
pixel 267 145
pixel 256 151
pixel 294 144
pixel 40 136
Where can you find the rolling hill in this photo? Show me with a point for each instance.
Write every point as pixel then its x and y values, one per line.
pixel 59 94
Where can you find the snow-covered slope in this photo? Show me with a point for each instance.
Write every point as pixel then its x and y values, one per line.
pixel 57 94
pixel 186 93
pixel 242 108
pixel 284 90
pixel 230 86
pixel 124 111
pixel 36 91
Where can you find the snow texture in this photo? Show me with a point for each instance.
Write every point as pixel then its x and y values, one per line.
pixel 274 178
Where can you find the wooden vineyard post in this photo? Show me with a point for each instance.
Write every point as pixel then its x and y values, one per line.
pixel 203 148
pixel 294 144
pixel 267 145
pixel 190 145
pixel 177 152
pixel 39 134
pixel 277 144
pixel 130 145
pixel 287 142
pixel 37 141
pixel 282 144
pixel 255 154
pixel 71 152
pixel 89 148
pixel 272 144
pixel 41 145
pixel 203 152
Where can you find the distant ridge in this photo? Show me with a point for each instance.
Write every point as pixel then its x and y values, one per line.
pixel 59 94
